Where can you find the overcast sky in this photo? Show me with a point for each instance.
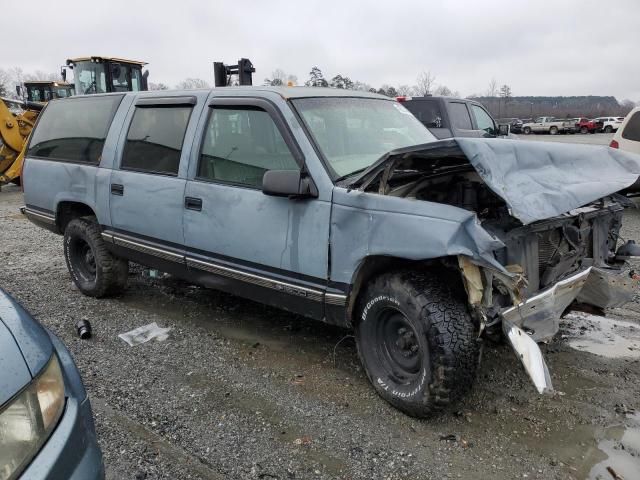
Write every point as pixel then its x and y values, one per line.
pixel 551 47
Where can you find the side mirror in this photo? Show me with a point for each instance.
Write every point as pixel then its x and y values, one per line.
pixel 288 183
pixel 63 74
pixel 503 130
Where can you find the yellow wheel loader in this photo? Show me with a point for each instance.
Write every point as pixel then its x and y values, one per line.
pixel 91 75
pixel 16 122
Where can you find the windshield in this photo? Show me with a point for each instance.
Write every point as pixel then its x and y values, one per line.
pixel 353 133
pixel 89 77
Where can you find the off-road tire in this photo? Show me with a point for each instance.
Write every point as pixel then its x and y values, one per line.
pixel 94 270
pixel 443 368
pixel 553 131
pixel 526 130
pixel 608 129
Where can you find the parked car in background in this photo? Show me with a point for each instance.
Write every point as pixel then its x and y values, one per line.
pixel 627 138
pixel 447 117
pixel 46 423
pixel 515 124
pixel 609 124
pixel 584 125
pixel 549 125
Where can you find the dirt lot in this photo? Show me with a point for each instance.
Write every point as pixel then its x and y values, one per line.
pixel 243 391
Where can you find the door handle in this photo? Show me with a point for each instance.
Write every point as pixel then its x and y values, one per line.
pixel 117 189
pixel 192 203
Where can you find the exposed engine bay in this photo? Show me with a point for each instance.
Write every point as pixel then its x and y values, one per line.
pixel 556 228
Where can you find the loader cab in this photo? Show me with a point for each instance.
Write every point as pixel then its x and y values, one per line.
pixel 107 74
pixel 43 91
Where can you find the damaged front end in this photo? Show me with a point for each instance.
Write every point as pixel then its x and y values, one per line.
pixel 556 214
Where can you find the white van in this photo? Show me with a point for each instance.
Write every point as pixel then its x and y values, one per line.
pixel 628 135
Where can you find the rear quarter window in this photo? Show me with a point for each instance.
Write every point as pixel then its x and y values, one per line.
pixel 427 111
pixel 460 117
pixel 632 129
pixel 74 129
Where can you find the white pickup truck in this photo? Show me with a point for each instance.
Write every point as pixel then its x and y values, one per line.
pixel 549 125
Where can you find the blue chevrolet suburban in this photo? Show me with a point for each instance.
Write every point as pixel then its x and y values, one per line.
pixel 340 206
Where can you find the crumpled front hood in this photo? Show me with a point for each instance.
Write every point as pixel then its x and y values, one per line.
pixel 537 180
pixel 540 180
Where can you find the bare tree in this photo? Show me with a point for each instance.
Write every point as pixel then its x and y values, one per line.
pixel 192 83
pixel 426 82
pixel 404 90
pixel 492 91
pixel 505 91
pixel 443 91
pixel 158 86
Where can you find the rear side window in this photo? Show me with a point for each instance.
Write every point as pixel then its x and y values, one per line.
pixel 632 129
pixel 427 111
pixel 240 144
pixel 74 129
pixel 155 137
pixel 460 116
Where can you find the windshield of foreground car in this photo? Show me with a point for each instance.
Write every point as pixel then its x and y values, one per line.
pixel 353 133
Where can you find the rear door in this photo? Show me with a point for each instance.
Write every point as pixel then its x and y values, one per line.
pixel 273 249
pixel 147 186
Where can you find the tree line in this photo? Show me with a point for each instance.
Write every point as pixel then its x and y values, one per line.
pixel 498 99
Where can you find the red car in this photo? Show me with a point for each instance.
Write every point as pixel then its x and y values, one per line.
pixel 584 125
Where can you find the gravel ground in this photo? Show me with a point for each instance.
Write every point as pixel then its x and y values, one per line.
pixel 243 391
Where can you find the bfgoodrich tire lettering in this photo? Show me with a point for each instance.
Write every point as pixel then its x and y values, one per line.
pixel 416 342
pixel 94 270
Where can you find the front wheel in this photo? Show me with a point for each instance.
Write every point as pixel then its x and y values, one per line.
pixel 553 130
pixel 584 130
pixel 526 130
pixel 608 129
pixel 416 342
pixel 94 270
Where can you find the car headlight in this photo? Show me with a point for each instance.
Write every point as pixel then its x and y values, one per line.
pixel 27 420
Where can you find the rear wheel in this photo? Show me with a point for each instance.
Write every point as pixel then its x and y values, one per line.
pixel 416 342
pixel 94 270
pixel 526 130
pixel 584 130
pixel 553 130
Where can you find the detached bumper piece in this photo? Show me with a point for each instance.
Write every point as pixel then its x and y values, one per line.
pixel 539 315
pixel 538 318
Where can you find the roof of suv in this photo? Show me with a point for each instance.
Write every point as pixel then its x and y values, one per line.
pixel 284 92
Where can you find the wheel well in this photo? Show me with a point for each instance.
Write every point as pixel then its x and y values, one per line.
pixel 68 211
pixel 445 267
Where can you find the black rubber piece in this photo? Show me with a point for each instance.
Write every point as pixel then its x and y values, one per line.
pixel 83 327
pixel 448 347
pixel 94 270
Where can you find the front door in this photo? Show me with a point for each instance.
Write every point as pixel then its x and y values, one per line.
pixel 274 249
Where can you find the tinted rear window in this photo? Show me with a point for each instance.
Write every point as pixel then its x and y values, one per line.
pixel 154 140
pixel 74 129
pixel 632 129
pixel 427 111
pixel 460 116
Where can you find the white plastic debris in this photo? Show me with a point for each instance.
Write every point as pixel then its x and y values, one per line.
pixel 144 334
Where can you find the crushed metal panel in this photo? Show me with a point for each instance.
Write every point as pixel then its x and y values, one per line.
pixel 607 288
